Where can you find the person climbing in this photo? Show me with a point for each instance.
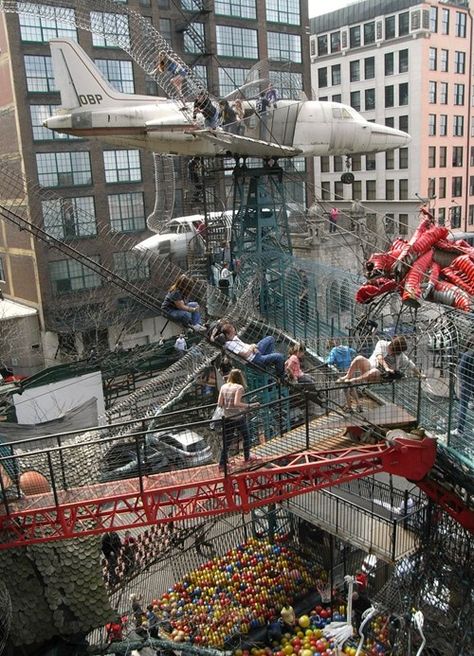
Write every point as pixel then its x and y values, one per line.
pixel 340 356
pixel 228 117
pixel 195 177
pixel 271 95
pixel 203 105
pixel 240 116
pixel 166 64
pixel 293 365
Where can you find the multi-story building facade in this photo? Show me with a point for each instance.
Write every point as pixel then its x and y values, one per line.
pixel 114 188
pixel 407 64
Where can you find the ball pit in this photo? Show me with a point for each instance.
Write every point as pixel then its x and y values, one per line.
pixel 239 593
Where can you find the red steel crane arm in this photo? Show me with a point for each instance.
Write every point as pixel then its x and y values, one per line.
pixel 201 493
pixel 450 502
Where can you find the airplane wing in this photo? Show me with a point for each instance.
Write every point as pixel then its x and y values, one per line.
pixel 238 145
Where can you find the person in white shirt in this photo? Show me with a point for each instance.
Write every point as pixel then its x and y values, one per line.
pixel 388 357
pixel 260 354
pixel 225 278
pixel 180 345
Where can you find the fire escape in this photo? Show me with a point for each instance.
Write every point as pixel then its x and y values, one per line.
pixel 194 14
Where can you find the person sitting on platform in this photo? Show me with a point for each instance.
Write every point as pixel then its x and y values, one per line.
pixel 177 306
pixel 387 361
pixel 293 365
pixel 340 356
pixel 203 105
pixel 260 354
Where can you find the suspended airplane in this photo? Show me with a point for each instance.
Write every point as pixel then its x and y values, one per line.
pixel 91 108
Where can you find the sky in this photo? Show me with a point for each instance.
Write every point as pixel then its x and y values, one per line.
pixel 317 7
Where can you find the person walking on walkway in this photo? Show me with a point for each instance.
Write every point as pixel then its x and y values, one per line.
pixel 230 399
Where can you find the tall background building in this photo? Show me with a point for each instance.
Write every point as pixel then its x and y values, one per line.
pixel 407 64
pixel 221 41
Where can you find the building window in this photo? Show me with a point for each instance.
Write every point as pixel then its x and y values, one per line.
pixel 335 41
pixel 370 162
pixel 163 4
pixel 443 125
pixel 389 189
pixel 471 217
pixel 338 190
pixel 433 59
pixel 71 276
pixel 444 63
pixel 456 189
pixel 369 68
pixel 460 25
pixel 236 42
pixel 70 218
pixel 336 75
pixel 403 189
pixel 370 190
pixel 369 99
pixel 471 157
pixel 324 162
pixel 131 266
pixel 64 169
pixel 389 63
pixel 445 21
pixel 389 159
pixel 284 47
pixel 459 62
pixel 354 37
pixel 442 187
pixel 432 92
pixel 231 79
pixel 403 158
pixel 459 94
pixel 118 72
pixel 355 100
pixel 403 93
pixel 431 188
pixel 338 164
pixel 356 162
pixel 354 70
pixel 127 212
pixel 403 23
pixel 455 216
pixel 290 85
pixel 312 48
pixel 325 190
pixel 433 19
pixel 443 93
pixel 389 96
pixel 471 185
pixel 458 126
pixel 247 9
pixel 403 123
pixel 194 42
pixel 110 30
pixel 39 113
pixel 369 33
pixel 403 61
pixel 442 216
pixel 390 27
pixel 165 29
pixel 403 224
pixel 390 121
pixel 431 157
pixel 122 166
pixel 59 22
pixel 443 157
pixel 322 77
pixel 431 125
pixel 356 190
pixel 278 11
pixel 323 45
pixel 39 74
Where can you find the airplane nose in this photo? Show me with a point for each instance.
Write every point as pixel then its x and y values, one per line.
pixel 385 138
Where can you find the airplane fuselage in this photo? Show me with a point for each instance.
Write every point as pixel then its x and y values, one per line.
pixel 159 125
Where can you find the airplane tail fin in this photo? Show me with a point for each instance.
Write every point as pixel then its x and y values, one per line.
pixel 79 80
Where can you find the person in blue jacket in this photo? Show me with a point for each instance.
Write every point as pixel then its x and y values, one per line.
pixel 340 356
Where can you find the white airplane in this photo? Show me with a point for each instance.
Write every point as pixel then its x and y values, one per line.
pixel 91 108
pixel 178 233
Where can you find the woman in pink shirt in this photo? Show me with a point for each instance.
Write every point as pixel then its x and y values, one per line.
pixel 293 365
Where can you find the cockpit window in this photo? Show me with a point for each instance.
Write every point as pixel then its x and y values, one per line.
pixel 173 228
pixel 341 113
